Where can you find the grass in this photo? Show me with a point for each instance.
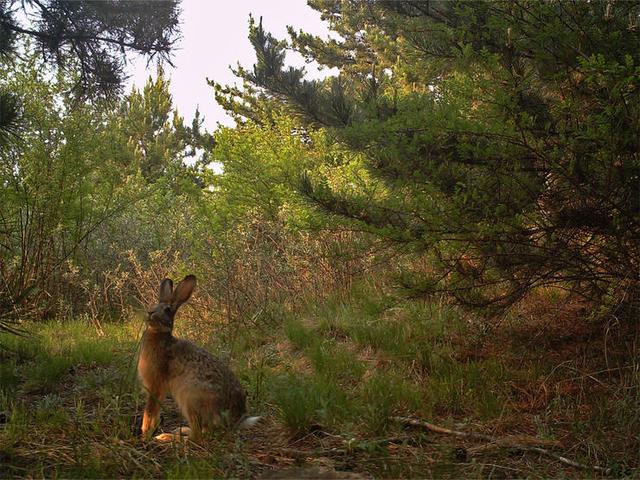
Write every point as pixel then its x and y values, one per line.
pixel 298 401
pixel 334 362
pixel 55 350
pixel 326 380
pixel 384 395
pixel 468 389
pixel 412 338
pixel 198 468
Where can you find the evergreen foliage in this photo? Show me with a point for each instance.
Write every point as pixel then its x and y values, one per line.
pixel 89 38
pixel 93 36
pixel 502 135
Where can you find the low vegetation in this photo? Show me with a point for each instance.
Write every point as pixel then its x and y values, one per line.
pixel 71 404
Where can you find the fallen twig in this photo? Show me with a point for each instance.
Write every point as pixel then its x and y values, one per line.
pixel 501 442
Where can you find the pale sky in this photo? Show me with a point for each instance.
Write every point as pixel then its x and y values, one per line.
pixel 214 36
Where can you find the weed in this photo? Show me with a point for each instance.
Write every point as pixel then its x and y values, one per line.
pixel 46 372
pixel 384 395
pixel 334 362
pixel 297 333
pixel 9 378
pixel 18 423
pixel 296 402
pixel 195 468
pixel 467 388
pixel 333 404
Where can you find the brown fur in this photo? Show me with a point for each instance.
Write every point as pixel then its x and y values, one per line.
pixel 205 389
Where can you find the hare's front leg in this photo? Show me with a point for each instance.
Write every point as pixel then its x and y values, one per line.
pixel 151 413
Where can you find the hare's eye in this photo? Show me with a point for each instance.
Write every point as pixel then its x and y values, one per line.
pixel 167 310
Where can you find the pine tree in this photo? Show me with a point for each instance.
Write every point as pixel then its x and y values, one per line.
pixel 91 38
pixel 504 136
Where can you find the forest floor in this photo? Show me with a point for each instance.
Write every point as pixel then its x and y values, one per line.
pixel 328 382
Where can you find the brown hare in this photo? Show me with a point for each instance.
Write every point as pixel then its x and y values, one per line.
pixel 205 389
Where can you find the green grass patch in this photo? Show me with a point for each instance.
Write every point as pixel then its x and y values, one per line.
pixel 195 468
pixel 40 361
pixel 9 378
pixel 334 362
pixel 298 334
pixel 306 401
pixel 296 400
pixel 18 421
pixel 384 395
pixel 408 330
pixel 472 388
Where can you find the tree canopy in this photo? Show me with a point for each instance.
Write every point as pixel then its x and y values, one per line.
pixel 500 137
pixel 90 38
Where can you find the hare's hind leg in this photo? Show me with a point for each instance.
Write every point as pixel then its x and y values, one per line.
pixel 199 407
pixel 195 423
pixel 202 414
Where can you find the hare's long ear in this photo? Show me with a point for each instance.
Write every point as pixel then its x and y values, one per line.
pixel 184 290
pixel 166 291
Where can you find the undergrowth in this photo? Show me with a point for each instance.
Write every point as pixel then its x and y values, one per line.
pixel 332 374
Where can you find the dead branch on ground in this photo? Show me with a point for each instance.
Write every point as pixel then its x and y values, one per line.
pixel 505 442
